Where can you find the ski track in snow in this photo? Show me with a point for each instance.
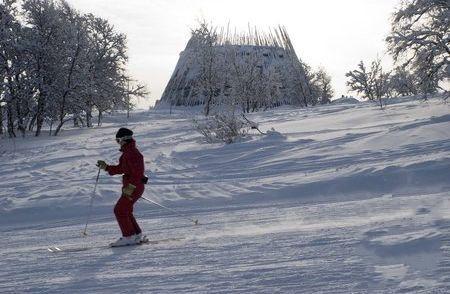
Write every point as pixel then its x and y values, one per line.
pixel 344 199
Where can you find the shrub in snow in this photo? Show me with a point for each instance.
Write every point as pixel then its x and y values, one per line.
pixel 227 128
pixel 274 135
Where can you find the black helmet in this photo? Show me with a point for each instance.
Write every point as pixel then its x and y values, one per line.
pixel 124 134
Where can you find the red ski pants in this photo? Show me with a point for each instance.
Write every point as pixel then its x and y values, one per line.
pixel 124 214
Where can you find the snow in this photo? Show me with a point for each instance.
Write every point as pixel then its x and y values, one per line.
pixel 345 100
pixel 343 198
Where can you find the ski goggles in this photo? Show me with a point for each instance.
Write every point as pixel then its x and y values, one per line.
pixel 120 140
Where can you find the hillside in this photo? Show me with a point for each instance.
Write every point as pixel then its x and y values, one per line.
pixel 339 198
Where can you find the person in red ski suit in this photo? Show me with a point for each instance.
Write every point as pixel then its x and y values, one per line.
pixel 131 166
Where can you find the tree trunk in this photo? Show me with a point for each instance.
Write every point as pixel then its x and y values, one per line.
pixel 20 116
pixel 20 124
pixel 255 106
pixel 51 128
pixel 58 128
pixel 89 117
pixel 128 100
pixel 10 122
pixel 1 120
pixel 100 117
pixel 32 122
pixel 40 114
pixel 381 102
pixel 82 122
pixel 207 105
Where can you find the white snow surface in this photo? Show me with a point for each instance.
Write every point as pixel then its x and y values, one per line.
pixel 341 198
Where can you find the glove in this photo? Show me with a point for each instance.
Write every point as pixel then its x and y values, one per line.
pixel 128 190
pixel 101 164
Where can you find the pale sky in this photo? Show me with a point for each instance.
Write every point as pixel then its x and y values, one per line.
pixel 334 34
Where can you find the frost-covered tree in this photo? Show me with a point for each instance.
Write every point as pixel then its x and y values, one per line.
pixel 109 86
pixel 380 80
pixel 270 90
pixel 322 84
pixel 420 41
pixel 15 90
pixel 360 81
pixel 253 84
pixel 72 76
pixel 45 37
pixel 106 61
pixel 8 50
pixel 245 72
pixel 372 83
pixel 57 64
pixel 298 83
pixel 209 61
pixel 403 83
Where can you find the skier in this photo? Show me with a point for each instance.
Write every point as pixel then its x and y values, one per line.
pixel 131 165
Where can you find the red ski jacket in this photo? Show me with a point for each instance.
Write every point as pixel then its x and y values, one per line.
pixel 131 165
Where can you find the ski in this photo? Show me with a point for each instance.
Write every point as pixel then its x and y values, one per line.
pixel 59 249
pixel 143 241
pixel 56 249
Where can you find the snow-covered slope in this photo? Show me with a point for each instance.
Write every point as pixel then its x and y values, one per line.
pixel 342 198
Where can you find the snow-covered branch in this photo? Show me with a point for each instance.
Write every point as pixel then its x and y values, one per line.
pixel 420 41
pixel 57 64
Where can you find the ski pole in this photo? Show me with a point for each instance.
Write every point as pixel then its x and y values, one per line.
pixel 195 221
pixel 90 205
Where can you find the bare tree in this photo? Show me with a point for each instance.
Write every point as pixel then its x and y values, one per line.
pixel 134 89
